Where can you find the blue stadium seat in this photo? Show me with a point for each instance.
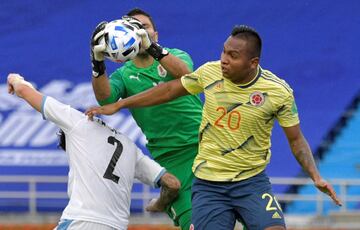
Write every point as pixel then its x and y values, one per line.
pixel 341 161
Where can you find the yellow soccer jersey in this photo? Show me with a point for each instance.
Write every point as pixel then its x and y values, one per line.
pixel 237 121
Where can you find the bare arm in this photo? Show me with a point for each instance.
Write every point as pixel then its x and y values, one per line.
pixel 170 186
pixel 175 66
pixel 101 87
pixel 157 95
pixel 171 63
pixel 302 152
pixel 23 89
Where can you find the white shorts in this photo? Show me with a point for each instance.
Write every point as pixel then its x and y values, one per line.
pixel 66 224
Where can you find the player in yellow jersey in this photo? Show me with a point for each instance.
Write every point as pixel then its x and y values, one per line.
pixel 242 101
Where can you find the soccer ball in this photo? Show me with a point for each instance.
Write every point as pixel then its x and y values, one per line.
pixel 122 42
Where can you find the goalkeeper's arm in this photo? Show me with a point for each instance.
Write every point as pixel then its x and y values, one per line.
pixel 174 65
pixel 100 80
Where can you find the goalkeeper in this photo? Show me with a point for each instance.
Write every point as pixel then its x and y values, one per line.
pixel 172 128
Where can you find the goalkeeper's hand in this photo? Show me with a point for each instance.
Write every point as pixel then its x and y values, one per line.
pixel 145 39
pixel 96 53
pixel 133 21
pixel 152 48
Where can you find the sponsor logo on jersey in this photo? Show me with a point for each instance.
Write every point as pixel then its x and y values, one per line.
pixel 257 99
pixel 294 109
pixel 134 77
pixel 161 71
pixel 276 215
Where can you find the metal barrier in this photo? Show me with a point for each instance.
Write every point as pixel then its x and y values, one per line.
pixel 32 194
pixel 320 197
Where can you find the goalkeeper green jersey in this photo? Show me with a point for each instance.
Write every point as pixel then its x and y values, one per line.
pixel 168 126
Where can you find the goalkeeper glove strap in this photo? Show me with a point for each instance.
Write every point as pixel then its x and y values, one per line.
pixel 156 51
pixel 98 68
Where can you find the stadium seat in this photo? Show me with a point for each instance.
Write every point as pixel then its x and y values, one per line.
pixel 341 161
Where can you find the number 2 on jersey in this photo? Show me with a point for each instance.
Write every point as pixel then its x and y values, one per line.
pixel 114 159
pixel 270 206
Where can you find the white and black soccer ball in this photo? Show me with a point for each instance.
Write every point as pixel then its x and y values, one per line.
pixel 122 42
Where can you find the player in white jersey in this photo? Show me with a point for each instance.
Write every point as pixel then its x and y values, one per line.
pixel 102 166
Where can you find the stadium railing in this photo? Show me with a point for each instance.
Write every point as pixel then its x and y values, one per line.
pixel 340 185
pixel 32 194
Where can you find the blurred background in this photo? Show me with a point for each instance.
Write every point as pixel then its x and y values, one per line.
pixel 313 45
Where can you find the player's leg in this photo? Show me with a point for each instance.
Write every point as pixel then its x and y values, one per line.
pixel 179 163
pixel 255 202
pixel 211 207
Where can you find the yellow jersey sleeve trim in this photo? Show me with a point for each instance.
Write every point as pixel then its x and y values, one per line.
pixel 191 84
pixel 289 124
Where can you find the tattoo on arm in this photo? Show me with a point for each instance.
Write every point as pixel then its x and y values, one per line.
pixel 303 155
pixel 170 186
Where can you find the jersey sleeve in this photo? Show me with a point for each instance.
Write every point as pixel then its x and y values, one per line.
pixel 287 113
pixel 185 57
pixel 117 89
pixel 193 82
pixel 148 171
pixel 62 115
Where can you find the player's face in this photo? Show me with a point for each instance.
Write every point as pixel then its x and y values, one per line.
pixel 148 27
pixel 236 65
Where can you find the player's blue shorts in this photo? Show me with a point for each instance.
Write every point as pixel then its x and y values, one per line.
pixel 217 205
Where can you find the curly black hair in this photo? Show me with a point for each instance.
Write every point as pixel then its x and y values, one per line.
pixel 138 11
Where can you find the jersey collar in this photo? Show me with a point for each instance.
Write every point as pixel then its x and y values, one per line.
pixel 247 85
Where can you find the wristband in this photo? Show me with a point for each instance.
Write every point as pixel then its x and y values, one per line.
pixel 98 68
pixel 157 51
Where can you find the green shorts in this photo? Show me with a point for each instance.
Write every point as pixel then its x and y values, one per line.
pixel 179 163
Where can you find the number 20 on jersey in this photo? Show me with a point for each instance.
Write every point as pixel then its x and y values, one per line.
pixel 230 120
